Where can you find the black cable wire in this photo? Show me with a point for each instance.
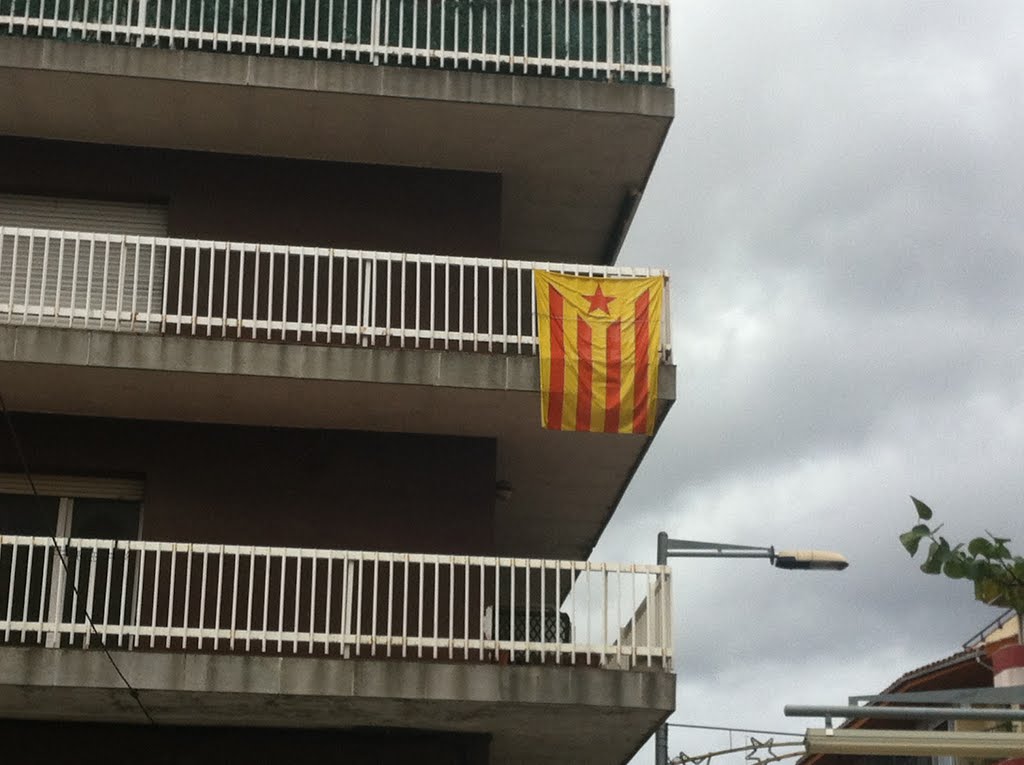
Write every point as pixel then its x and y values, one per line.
pixel 64 563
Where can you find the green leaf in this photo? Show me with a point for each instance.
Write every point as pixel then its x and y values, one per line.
pixel 923 511
pixel 980 546
pixel 972 568
pixel 910 540
pixel 954 568
pixel 933 563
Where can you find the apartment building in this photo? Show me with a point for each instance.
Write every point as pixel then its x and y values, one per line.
pixel 273 482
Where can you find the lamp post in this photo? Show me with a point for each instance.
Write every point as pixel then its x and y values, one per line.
pixel 790 560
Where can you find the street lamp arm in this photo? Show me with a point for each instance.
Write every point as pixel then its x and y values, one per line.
pixel 820 560
pixel 691 546
pixel 752 552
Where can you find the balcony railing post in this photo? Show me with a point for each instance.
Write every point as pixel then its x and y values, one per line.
pixel 666 326
pixel 609 38
pixel 375 30
pixel 666 44
pixel 666 622
pixel 58 583
pixel 140 23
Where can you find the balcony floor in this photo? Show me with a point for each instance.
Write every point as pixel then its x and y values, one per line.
pixel 537 714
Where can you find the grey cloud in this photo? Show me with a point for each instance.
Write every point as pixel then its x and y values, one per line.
pixel 839 203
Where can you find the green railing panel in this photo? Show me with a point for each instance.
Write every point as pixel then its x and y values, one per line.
pixel 620 40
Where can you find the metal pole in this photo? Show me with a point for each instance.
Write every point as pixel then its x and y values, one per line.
pixel 661 745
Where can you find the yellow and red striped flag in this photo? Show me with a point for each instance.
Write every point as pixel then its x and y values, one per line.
pixel 599 352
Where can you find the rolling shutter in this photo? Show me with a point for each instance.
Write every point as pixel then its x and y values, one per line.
pixel 83 215
pixel 72 486
pixel 60 279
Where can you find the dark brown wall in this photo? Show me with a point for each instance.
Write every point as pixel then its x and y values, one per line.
pixel 304 488
pixel 272 200
pixel 27 741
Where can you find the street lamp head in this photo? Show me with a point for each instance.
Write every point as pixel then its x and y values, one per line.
pixel 809 560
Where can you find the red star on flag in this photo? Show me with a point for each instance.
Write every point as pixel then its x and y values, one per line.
pixel 598 301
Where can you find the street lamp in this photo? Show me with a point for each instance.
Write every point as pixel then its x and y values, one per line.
pixel 790 560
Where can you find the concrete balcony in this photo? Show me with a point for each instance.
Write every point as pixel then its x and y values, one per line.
pixel 181 330
pixel 216 635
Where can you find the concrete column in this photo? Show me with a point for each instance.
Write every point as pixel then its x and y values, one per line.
pixel 1008 671
pixel 1008 666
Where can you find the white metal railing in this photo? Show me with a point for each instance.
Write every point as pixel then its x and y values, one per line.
pixel 212 598
pixel 982 636
pixel 624 40
pixel 280 293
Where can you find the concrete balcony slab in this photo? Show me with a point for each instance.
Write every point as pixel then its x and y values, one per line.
pixel 536 714
pixel 565 485
pixel 574 156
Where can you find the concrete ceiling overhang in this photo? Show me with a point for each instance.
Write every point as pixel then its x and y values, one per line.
pixel 574 156
pixel 565 486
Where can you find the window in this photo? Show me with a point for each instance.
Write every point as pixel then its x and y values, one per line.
pixel 49 276
pixel 70 506
pixel 36 593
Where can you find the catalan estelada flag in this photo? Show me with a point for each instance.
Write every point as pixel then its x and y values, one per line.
pixel 599 341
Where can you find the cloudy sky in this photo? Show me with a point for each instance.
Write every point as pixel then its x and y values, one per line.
pixel 840 203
